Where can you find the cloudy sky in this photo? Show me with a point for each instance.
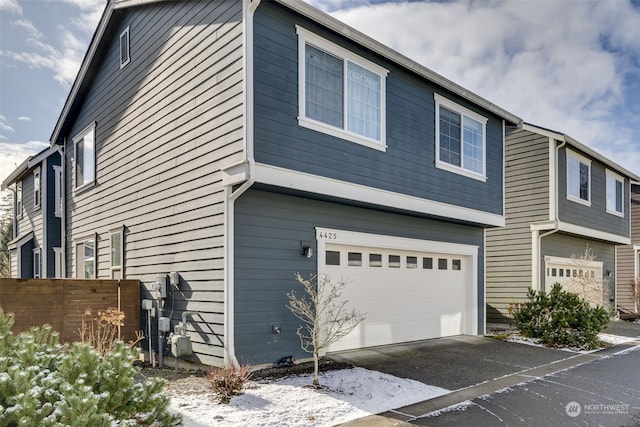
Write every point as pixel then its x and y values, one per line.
pixel 572 66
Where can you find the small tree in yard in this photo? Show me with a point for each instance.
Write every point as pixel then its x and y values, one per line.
pixel 325 316
pixel 585 282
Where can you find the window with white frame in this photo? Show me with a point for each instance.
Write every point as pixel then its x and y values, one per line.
pixel 578 178
pixel 57 261
pixel 85 157
pixel 615 190
pixel 19 200
pixel 125 56
pixel 341 94
pixel 36 188
pixel 37 263
pixel 86 258
pixel 116 238
pixel 57 193
pixel 460 139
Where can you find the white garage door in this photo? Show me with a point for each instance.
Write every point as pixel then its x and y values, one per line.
pixel 408 289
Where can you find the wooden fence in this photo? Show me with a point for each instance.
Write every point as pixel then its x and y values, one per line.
pixel 62 302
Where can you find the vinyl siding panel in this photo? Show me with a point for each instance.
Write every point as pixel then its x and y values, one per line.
pixel 509 249
pixel 31 221
pixel 627 260
pixel 594 216
pixel 54 224
pixel 408 164
pixel 269 230
pixel 166 124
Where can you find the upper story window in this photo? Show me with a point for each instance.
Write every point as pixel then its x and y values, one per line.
pixel 125 56
pixel 19 200
pixel 615 189
pixel 37 263
pixel 578 178
pixel 460 139
pixel 85 158
pixel 340 93
pixel 57 193
pixel 36 189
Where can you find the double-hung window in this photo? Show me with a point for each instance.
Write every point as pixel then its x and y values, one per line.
pixel 85 157
pixel 36 189
pixel 57 193
pixel 460 139
pixel 615 190
pixel 37 263
pixel 340 93
pixel 19 200
pixel 86 258
pixel 578 178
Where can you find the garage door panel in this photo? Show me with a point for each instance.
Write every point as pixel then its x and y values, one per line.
pixel 407 296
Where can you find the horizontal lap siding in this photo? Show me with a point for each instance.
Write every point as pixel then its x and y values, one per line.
pixel 627 262
pixel 166 125
pixel 269 230
pixel 408 164
pixel 527 200
pixel 594 216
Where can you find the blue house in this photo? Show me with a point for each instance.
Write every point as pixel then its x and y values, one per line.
pixel 36 249
pixel 228 145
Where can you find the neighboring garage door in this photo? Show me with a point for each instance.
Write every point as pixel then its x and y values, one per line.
pixel 408 289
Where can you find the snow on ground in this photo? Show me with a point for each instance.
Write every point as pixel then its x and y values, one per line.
pixel 615 339
pixel 348 394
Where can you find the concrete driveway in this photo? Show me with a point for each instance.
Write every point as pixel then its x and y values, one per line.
pixel 473 368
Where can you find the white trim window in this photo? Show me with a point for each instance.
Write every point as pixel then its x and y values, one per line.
pixel 37 197
pixel 125 53
pixel 85 157
pixel 578 178
pixel 86 255
pixel 460 139
pixel 615 191
pixel 19 206
pixel 57 261
pixel 57 194
pixel 340 93
pixel 116 251
pixel 37 263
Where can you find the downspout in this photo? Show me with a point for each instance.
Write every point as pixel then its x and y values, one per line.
pixel 249 7
pixel 538 238
pixel 63 209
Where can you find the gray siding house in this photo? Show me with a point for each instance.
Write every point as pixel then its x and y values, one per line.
pixel 36 250
pixel 236 143
pixel 628 261
pixel 561 198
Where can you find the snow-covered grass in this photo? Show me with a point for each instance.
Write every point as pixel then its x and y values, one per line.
pixel 347 394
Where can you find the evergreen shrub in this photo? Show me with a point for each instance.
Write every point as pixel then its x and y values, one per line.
pixel 45 383
pixel 561 319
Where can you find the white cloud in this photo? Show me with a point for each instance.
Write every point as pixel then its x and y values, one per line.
pixel 24 119
pixel 5 126
pixel 63 56
pixel 11 155
pixel 560 65
pixel 11 6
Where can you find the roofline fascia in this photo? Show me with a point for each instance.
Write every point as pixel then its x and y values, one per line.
pixel 38 158
pixel 86 62
pixel 360 38
pixel 580 146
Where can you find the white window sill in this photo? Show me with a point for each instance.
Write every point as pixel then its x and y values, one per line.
pixel 615 213
pixel 84 187
pixel 460 171
pixel 340 133
pixel 578 200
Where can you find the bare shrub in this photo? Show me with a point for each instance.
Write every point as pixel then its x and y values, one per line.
pixel 585 283
pixel 102 331
pixel 229 381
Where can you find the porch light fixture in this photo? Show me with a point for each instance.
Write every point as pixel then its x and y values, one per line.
pixel 307 250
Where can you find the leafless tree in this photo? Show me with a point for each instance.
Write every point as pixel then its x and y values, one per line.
pixel 585 282
pixel 325 316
